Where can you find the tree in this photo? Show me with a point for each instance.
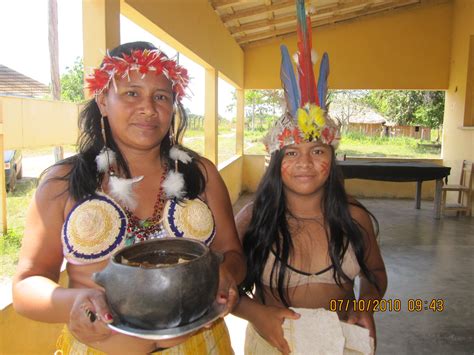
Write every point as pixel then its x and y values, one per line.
pixel 409 107
pixel 72 82
pixel 263 105
pixel 344 105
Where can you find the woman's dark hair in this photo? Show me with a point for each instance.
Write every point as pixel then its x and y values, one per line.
pixel 84 179
pixel 268 230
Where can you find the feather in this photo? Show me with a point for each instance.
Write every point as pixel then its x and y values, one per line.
pixel 305 66
pixel 314 56
pixel 287 76
pixel 295 58
pixel 122 190
pixel 181 155
pixel 323 81
pixel 105 159
pixel 174 185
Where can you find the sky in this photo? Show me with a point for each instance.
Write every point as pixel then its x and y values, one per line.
pixel 24 45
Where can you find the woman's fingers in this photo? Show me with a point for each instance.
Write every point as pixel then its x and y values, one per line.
pixel 87 317
pixel 101 309
pixel 290 314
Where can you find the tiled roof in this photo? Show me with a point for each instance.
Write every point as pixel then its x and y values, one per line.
pixel 13 83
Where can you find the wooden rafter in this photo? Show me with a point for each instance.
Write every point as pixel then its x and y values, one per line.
pixel 222 4
pixel 370 9
pixel 261 23
pixel 257 10
pixel 251 22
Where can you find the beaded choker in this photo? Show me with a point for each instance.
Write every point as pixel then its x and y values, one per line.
pixel 141 230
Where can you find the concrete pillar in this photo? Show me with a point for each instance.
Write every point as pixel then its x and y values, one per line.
pixel 101 30
pixel 211 115
pixel 240 121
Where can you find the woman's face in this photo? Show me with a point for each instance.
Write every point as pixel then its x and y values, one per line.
pixel 139 111
pixel 305 167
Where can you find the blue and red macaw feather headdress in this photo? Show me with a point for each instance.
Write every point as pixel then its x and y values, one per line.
pixel 305 118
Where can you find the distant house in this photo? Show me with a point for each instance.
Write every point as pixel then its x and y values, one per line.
pixel 13 83
pixel 371 123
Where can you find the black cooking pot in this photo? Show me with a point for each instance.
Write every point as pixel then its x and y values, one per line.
pixel 161 283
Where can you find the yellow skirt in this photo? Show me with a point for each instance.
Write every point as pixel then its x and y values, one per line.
pixel 215 341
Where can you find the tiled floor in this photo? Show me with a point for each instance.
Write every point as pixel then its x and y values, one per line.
pixel 425 259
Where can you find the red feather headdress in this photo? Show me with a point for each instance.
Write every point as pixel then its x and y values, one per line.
pixel 142 61
pixel 306 118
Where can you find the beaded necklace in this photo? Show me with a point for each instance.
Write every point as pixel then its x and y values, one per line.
pixel 139 230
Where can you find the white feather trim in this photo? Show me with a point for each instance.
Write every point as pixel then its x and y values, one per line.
pixel 105 159
pixel 122 190
pixel 174 185
pixel 181 155
pixel 314 56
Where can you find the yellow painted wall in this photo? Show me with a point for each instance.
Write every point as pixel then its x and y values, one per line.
pixel 193 28
pixel 19 335
pixel 405 49
pixel 30 123
pixel 253 169
pixel 458 141
pixel 231 172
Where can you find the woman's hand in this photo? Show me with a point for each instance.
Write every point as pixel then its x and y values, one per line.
pixel 268 323
pixel 227 292
pixel 88 317
pixel 364 319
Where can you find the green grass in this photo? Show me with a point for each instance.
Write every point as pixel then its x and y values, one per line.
pixel 17 205
pixel 359 145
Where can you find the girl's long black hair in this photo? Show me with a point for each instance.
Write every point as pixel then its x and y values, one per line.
pixel 268 230
pixel 83 177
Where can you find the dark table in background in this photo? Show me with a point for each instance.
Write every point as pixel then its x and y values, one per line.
pixel 398 171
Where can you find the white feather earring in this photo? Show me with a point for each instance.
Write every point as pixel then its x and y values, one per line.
pixel 120 189
pixel 174 185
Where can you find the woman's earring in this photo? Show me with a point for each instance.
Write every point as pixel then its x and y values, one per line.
pixel 171 136
pixel 106 158
pixel 119 188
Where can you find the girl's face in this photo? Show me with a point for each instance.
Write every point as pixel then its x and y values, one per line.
pixel 305 167
pixel 139 111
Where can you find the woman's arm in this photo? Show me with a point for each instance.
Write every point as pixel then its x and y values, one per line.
pixel 233 268
pixel 36 293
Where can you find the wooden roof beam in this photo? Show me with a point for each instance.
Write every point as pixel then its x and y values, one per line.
pixel 223 4
pixel 257 10
pixel 331 20
pixel 320 11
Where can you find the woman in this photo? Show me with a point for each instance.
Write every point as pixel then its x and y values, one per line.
pixel 128 163
pixel 305 240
